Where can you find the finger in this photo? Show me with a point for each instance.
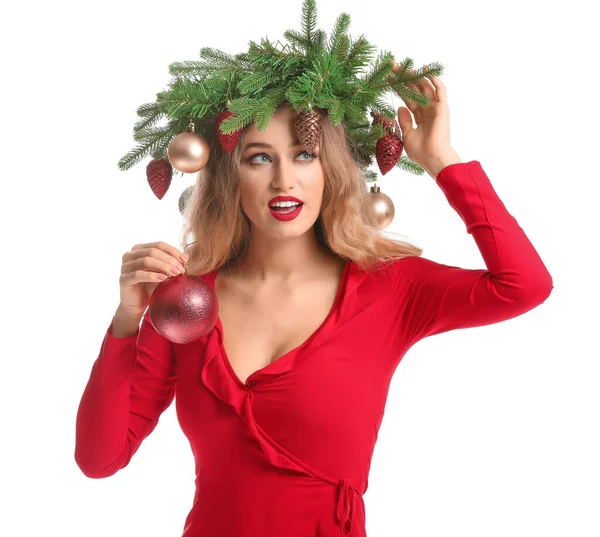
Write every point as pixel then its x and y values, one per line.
pixel 171 250
pixel 161 246
pixel 440 88
pixel 146 276
pixel 405 121
pixel 427 87
pixel 155 258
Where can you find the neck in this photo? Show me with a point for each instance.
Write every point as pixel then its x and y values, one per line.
pixel 282 261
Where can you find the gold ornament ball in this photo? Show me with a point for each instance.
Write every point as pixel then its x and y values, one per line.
pixel 184 199
pixel 383 207
pixel 188 152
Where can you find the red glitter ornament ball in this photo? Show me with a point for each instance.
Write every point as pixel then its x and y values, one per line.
pixel 183 308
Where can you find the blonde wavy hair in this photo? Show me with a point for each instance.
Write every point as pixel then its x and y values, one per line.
pixel 217 231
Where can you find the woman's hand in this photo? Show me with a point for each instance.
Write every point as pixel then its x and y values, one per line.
pixel 142 270
pixel 429 143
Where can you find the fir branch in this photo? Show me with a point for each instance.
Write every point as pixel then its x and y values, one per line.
pixel 339 39
pixel 301 92
pixel 149 121
pixel 407 74
pixel 244 62
pixel 277 94
pixel 148 109
pixel 243 110
pixel 150 134
pixel 319 41
pixel 334 108
pixel 370 176
pixel 363 95
pixel 219 85
pixel 309 19
pixel 190 68
pixel 327 72
pixel 188 99
pixel 134 156
pixel 382 67
pixel 377 131
pixel 360 54
pixel 161 149
pixel 435 69
pixel 381 107
pixel 342 51
pixel 148 146
pixel 404 163
pixel 408 94
pixel 267 57
pixel 297 39
pixel 253 82
pixel 218 57
pixel 263 112
pixel 354 115
pixel 404 66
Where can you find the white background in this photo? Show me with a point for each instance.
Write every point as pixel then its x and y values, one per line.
pixel 490 431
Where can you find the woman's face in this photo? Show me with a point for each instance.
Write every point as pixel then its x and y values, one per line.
pixel 281 167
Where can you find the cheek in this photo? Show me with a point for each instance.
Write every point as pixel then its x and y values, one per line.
pixel 318 192
pixel 249 197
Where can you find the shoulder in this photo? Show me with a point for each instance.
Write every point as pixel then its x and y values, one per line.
pixel 401 272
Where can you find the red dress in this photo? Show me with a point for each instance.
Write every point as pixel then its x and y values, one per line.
pixel 288 453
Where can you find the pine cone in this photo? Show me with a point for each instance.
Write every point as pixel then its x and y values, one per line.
pixel 228 141
pixel 159 174
pixel 308 129
pixel 388 151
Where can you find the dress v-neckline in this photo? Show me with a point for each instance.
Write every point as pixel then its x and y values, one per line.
pixel 288 355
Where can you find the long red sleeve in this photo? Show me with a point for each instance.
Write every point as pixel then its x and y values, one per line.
pixel 434 298
pixel 132 382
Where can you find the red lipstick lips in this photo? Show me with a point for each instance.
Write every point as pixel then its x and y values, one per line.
pixel 285 214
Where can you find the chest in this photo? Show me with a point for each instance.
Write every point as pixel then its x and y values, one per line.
pixel 257 330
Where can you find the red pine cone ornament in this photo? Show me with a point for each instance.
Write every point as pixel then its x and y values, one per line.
pixel 227 141
pixel 389 147
pixel 388 151
pixel 159 174
pixel 308 129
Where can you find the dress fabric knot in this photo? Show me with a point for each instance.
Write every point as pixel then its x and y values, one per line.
pixel 344 507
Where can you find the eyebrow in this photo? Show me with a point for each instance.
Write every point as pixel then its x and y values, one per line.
pixel 263 144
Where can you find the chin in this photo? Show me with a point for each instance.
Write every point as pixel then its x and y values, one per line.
pixel 293 228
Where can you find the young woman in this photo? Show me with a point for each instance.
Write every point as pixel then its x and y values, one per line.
pixel 283 399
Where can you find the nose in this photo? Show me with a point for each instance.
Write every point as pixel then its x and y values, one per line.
pixel 285 175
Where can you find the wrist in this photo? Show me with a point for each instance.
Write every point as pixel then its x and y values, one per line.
pixel 436 164
pixel 124 325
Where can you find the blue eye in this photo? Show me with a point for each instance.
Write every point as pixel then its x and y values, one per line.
pixel 249 159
